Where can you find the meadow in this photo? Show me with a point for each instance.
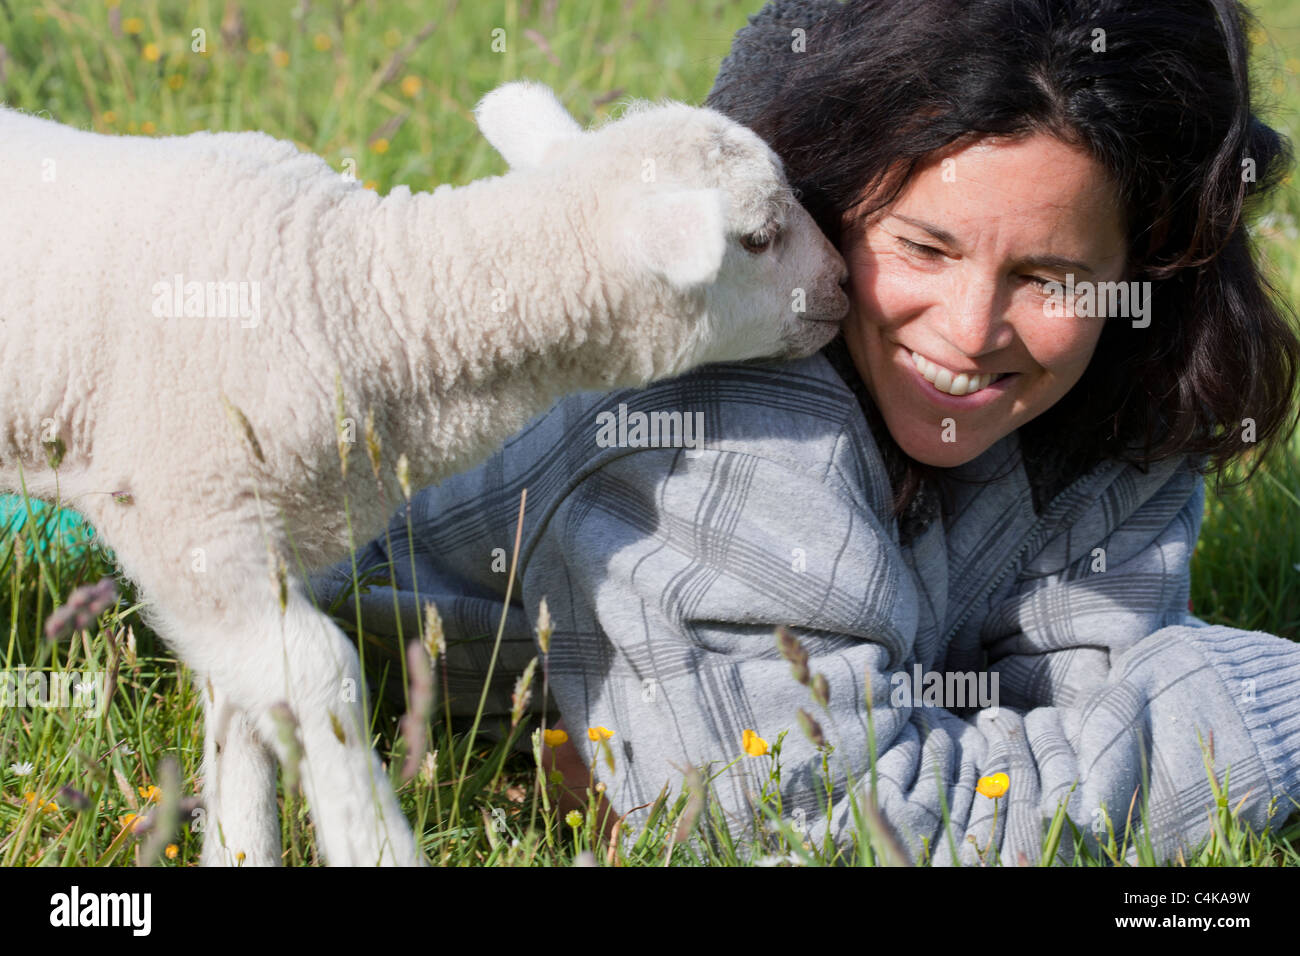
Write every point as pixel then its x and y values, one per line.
pixel 384 90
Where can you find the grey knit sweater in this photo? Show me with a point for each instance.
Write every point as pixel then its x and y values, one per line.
pixel 667 569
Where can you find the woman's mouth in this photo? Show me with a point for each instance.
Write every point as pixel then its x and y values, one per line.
pixel 958 389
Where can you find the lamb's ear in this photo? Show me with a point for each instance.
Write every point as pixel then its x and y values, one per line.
pixel 679 234
pixel 522 121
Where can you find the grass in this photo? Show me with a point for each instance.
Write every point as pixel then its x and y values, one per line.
pixel 385 91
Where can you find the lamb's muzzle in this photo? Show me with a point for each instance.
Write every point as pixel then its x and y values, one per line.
pixel 206 322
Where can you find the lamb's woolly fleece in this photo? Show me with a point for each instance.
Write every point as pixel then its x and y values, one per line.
pixel 205 450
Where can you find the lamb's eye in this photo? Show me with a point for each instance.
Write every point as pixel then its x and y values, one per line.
pixel 756 242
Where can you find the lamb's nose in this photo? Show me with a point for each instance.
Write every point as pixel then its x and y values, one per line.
pixel 844 280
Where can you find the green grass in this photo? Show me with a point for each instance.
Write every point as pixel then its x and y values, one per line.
pixel 386 90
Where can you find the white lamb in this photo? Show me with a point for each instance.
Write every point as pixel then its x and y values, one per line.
pixel 180 315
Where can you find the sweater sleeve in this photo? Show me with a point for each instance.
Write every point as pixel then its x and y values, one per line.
pixel 668 574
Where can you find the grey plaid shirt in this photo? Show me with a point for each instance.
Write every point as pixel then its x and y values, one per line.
pixel 666 571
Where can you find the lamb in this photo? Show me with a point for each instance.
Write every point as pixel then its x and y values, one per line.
pixel 190 320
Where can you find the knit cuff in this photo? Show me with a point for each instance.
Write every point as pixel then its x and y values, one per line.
pixel 1262 672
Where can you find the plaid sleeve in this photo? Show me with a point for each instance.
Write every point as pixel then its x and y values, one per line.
pixel 668 575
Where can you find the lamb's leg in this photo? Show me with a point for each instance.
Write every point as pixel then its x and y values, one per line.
pixel 358 820
pixel 241 825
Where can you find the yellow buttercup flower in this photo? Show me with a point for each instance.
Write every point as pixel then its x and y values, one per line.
pixel 133 25
pixel 379 146
pixel 754 745
pixel 599 733
pixel 573 818
pixel 411 85
pixel 172 851
pixel 148 127
pixel 29 797
pixel 322 42
pixel 150 792
pixel 151 52
pixel 994 786
pixel 128 821
pixel 554 738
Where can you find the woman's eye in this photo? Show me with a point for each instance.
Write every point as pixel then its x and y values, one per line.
pixel 927 252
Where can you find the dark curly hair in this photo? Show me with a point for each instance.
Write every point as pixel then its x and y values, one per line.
pixel 854 97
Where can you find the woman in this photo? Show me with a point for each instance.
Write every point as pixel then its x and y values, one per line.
pixel 979 506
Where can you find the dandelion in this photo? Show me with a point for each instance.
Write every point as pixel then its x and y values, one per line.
pixel 411 86
pixel 148 127
pixel 754 745
pixel 599 733
pixel 322 42
pixel 133 26
pixel 573 818
pixel 554 738
pixel 21 769
pixel 994 786
pixel 379 146
pixel 172 851
pixel 280 58
pixel 150 792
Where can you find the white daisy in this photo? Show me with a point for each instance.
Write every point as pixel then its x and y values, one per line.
pixel 21 769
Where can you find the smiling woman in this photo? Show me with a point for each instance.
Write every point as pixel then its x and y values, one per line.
pixel 977 485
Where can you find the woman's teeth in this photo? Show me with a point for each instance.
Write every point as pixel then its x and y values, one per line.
pixel 945 381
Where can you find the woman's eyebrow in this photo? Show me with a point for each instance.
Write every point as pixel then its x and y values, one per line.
pixel 1050 263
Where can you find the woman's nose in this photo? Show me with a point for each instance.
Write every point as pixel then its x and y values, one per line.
pixel 975 311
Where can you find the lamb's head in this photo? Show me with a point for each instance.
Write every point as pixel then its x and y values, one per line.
pixel 693 213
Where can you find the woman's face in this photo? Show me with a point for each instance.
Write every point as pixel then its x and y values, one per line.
pixel 953 272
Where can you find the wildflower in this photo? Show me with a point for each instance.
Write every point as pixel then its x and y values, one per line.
pixel 172 851
pixel 133 25
pixel 554 738
pixel 794 652
pixel 150 792
pixel 544 627
pixel 379 146
pixel 754 745
pixel 21 769
pixel 151 52
pixel 280 58
pixel 994 786
pixel 29 797
pixel 411 86
pixel 599 733
pixel 573 818
pixel 435 641
pixel 175 81
pixel 148 127
pixel 322 42
pixel 811 728
pixel 110 117
pixel 129 821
